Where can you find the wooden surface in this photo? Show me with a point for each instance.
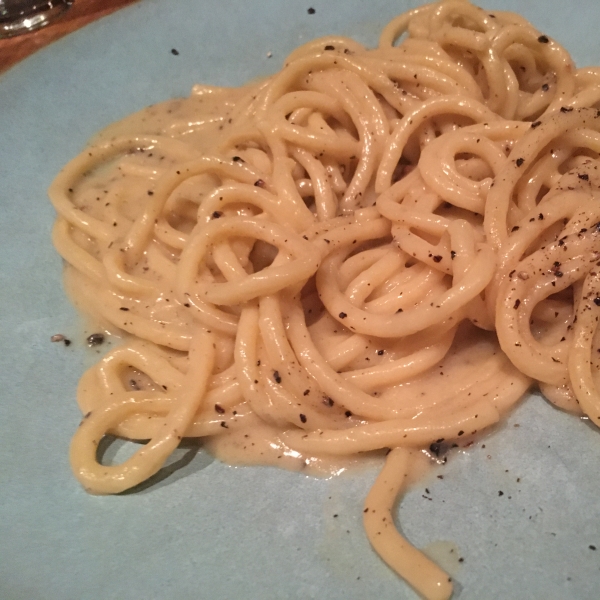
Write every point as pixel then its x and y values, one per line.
pixel 12 50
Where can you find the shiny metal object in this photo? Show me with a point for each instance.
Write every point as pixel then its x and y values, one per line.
pixel 22 16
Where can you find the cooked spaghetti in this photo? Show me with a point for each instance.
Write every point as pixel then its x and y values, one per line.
pixel 372 250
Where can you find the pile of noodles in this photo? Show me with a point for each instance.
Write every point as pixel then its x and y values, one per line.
pixel 370 250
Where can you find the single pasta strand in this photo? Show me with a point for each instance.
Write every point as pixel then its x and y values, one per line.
pixel 149 459
pixel 425 576
pixel 416 432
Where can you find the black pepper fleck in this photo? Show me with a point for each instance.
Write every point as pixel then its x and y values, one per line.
pixel 95 339
pixel 437 447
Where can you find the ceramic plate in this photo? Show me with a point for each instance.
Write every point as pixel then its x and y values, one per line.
pixel 522 511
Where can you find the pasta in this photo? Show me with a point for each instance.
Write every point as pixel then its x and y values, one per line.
pixel 372 251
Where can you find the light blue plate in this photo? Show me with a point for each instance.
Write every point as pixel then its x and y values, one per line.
pixel 211 531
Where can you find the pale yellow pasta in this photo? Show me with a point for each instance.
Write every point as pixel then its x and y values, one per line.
pixel 374 250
